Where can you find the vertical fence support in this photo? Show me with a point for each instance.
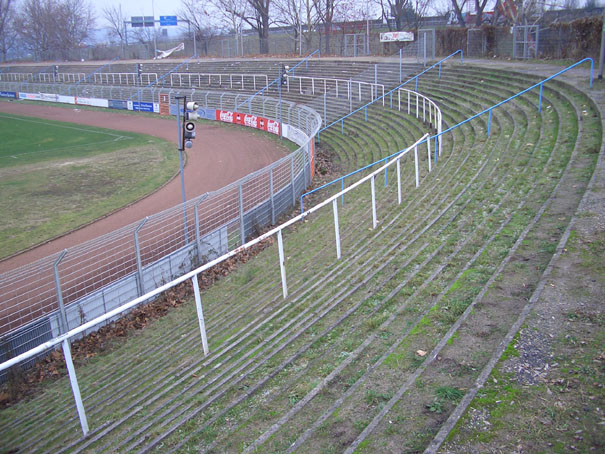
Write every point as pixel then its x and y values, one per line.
pixel 62 314
pixel 242 228
pixel 417 106
pixel 350 98
pixel 73 380
pixel 489 122
pixel 372 184
pixel 336 227
pixel 376 74
pixel 271 193
pixel 399 181
pixel 540 102
pixel 435 158
pixel 292 180
pixel 416 165
pixel 282 264
pixel 137 251
pixel 198 239
pixel 428 151
pixel 200 313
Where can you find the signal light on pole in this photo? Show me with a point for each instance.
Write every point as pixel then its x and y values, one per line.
pixel 189 133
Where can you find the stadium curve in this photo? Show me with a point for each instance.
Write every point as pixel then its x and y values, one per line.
pixel 224 156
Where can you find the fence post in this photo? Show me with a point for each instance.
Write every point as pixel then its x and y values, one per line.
pixel 282 264
pixel 372 184
pixel 376 74
pixel 137 251
pixel 198 239
pixel 336 227
pixel 416 165
pixel 489 122
pixel 242 231
pixel 398 181
pixel 439 129
pixel 62 314
pixel 292 180
pixel 200 313
pixel 271 192
pixel 73 380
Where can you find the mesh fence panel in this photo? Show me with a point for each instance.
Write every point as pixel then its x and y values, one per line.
pixel 100 275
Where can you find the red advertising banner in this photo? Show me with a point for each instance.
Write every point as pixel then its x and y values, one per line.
pixel 252 121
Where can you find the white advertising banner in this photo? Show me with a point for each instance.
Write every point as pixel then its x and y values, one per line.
pixel 390 37
pixel 97 102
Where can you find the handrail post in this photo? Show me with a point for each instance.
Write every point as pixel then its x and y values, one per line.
pixel 200 313
pixel 373 187
pixel 75 388
pixel 540 101
pixel 399 181
pixel 489 122
pixel 416 165
pixel 282 264
pixel 336 227
pixel 428 151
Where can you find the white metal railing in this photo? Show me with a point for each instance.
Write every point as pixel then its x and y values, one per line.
pixel 124 78
pixel 351 88
pixel 234 81
pixel 193 275
pixel 59 77
pixel 15 77
pixel 428 106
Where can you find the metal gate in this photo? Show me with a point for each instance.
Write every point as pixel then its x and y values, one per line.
pixel 356 44
pixel 426 45
pixel 476 43
pixel 525 41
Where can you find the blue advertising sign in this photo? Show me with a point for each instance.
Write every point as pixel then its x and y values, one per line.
pixel 118 104
pixel 166 21
pixel 142 106
pixel 8 94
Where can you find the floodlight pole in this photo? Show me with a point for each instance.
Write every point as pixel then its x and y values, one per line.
pixel 180 142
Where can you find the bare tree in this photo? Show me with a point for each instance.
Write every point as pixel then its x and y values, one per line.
pixel 198 17
pixel 53 29
pixel 458 6
pixel 299 15
pixel 231 12
pixel 7 31
pixel 259 20
pixel 115 18
pixel 325 11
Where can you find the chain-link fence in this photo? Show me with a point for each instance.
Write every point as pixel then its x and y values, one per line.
pixel 64 290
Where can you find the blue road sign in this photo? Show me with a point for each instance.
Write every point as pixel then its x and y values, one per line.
pixel 166 21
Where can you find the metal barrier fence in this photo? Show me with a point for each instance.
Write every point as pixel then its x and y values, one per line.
pixel 63 291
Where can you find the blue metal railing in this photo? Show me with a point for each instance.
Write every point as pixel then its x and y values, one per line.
pixel 94 72
pixel 436 136
pixel 365 107
pixel 278 78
